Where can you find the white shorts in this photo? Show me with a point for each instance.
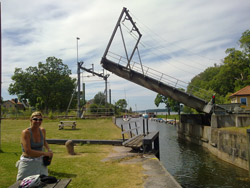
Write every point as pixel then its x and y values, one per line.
pixel 30 166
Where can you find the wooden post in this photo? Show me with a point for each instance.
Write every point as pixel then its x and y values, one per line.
pixel 248 149
pixel 123 138
pixel 130 130
pixel 70 147
pixel 143 123
pixel 147 126
pixel 136 129
pixel 157 147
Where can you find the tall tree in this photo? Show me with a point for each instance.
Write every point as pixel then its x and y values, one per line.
pixel 245 41
pixel 232 75
pixel 99 99
pixel 47 86
pixel 163 99
pixel 121 104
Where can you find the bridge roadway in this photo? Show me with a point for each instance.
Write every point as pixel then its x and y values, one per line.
pixel 157 86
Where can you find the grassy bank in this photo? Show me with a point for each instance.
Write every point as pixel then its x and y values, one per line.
pixel 86 168
pixel 242 130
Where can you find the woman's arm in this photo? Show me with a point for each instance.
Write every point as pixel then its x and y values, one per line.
pixel 28 152
pixel 46 145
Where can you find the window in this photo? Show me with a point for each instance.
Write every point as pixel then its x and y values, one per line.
pixel 243 101
pixel 233 100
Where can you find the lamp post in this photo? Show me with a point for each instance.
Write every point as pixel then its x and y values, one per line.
pixel 78 81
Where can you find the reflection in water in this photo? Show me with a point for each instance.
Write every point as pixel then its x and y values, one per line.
pixel 194 166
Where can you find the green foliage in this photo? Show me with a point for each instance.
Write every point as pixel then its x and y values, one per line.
pixel 188 110
pixel 232 75
pixel 160 99
pixel 245 41
pixel 121 104
pixel 93 108
pixel 51 115
pixel 171 105
pixel 106 110
pixel 99 99
pixel 47 86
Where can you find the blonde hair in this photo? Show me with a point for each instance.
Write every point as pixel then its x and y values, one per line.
pixel 36 114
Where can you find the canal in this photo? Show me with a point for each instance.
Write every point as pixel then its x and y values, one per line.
pixel 192 165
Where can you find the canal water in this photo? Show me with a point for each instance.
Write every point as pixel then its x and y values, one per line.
pixel 192 165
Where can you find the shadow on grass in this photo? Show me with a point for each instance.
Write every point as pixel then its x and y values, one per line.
pixel 61 174
pixel 1 151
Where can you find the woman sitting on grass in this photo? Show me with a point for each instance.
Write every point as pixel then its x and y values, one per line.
pixel 33 141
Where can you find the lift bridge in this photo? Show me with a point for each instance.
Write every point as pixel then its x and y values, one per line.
pixel 144 76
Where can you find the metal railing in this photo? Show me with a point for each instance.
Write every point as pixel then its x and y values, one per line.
pixel 159 76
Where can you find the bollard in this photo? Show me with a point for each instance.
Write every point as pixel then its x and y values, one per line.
pixel 147 125
pixel 70 147
pixel 143 124
pixel 248 149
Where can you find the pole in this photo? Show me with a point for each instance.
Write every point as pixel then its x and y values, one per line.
pixel 0 72
pixel 78 81
pixel 106 91
pixel 143 124
pixel 70 101
pixel 147 125
pixel 78 91
pixel 109 96
pixel 83 92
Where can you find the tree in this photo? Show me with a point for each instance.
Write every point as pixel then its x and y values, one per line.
pixel 99 99
pixel 171 104
pixel 232 75
pixel 121 104
pixel 162 99
pixel 47 86
pixel 245 41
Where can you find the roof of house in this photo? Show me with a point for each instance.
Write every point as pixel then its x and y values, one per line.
pixel 243 91
pixel 13 102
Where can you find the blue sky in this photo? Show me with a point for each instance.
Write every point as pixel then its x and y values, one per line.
pixel 180 38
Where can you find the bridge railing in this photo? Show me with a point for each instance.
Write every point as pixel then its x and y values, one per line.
pixel 161 77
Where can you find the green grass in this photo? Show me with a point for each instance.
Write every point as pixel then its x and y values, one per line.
pixel 242 130
pixel 86 168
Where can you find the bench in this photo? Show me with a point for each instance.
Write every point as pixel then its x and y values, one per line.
pixel 135 142
pixel 67 123
pixel 62 183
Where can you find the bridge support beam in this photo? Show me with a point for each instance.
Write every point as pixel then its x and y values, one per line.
pixel 154 85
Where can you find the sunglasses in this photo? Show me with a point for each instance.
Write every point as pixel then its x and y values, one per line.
pixel 37 119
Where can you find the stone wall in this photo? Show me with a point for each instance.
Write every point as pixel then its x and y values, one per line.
pixel 233 148
pixel 194 128
pixel 230 120
pixel 229 146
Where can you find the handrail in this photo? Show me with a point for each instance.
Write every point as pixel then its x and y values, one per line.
pixel 157 75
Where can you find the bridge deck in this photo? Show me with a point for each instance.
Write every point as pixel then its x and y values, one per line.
pixel 157 86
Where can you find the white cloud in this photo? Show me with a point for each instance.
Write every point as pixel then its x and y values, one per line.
pixel 194 35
